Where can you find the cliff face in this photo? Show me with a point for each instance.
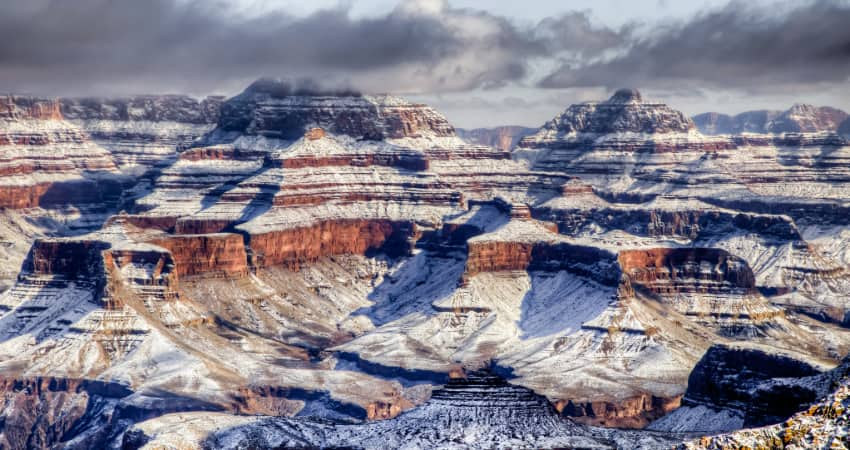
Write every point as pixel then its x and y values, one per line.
pixel 220 254
pixel 663 222
pixel 693 270
pixel 731 378
pixel 635 412
pixel 488 253
pixel 822 423
pixel 294 247
pixel 745 387
pixel 73 259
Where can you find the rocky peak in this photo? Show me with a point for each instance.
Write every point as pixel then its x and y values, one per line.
pixel 625 111
pixel 804 118
pixel 277 109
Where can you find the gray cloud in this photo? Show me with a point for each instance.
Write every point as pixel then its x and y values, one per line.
pixel 122 46
pixel 738 46
pixel 574 33
pixel 421 47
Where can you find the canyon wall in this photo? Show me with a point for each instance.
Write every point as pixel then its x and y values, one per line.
pixel 296 246
pixel 220 254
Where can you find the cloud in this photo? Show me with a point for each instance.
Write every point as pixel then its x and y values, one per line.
pixel 420 47
pixel 739 46
pixel 574 33
pixel 198 46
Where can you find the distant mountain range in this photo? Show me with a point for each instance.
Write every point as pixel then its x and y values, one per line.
pixel 800 118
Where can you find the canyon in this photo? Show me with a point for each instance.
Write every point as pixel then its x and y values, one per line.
pixel 283 269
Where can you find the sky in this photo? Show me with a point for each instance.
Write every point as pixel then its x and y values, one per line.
pixel 482 63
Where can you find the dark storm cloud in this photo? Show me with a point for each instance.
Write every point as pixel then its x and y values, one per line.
pixel 738 46
pixel 104 46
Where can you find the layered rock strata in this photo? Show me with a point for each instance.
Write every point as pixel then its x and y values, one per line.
pixel 143 133
pixel 49 161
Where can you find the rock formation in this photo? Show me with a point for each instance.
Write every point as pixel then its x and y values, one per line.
pixel 48 161
pixel 502 138
pixel 503 415
pixel 356 255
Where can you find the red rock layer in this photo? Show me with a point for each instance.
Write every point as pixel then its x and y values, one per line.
pixel 634 412
pixel 499 256
pixel 24 196
pixel 14 107
pixel 401 161
pixel 72 192
pixel 220 254
pixel 696 270
pixel 295 246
